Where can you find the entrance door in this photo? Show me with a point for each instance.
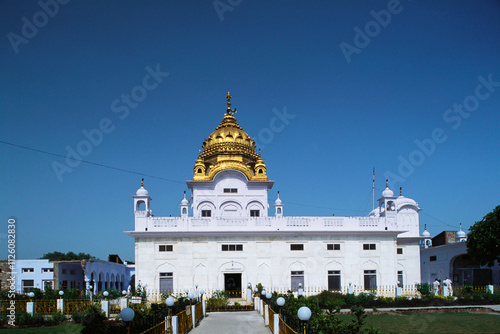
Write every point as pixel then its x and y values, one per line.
pixel 232 284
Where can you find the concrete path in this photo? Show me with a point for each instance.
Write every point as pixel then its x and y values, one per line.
pixel 249 322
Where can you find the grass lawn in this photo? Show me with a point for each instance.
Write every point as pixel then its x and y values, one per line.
pixel 433 322
pixel 63 328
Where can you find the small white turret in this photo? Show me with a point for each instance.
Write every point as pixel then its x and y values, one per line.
pixel 184 206
pixel 278 207
pixel 427 242
pixel 461 236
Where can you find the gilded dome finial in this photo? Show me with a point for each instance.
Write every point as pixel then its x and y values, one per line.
pixel 387 183
pixel 229 110
pixel 400 191
pixel 142 182
pixel 228 97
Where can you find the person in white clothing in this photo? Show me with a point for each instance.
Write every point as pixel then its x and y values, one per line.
pixel 447 282
pixel 435 284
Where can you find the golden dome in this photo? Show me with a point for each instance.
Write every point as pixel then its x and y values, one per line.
pixel 229 147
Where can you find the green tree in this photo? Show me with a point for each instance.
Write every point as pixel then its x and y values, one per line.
pixel 483 240
pixel 58 256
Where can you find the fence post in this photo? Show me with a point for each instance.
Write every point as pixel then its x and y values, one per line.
pixel 105 307
pixel 123 303
pixel 256 303
pixel 266 315
pixel 175 325
pixel 276 323
pixel 60 305
pixel 261 307
pixel 490 288
pixel 204 306
pixel 193 315
pixel 30 308
pixel 398 292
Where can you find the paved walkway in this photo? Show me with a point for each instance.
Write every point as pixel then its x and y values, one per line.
pixel 249 322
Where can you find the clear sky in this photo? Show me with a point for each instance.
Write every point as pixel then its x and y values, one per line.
pixel 328 89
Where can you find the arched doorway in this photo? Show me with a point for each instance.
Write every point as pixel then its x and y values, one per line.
pixel 468 272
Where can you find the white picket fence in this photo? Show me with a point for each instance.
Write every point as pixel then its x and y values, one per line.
pixel 381 291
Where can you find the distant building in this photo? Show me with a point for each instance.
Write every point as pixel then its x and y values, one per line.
pixel 32 274
pixel 445 255
pixel 4 274
pixel 224 239
pixel 73 274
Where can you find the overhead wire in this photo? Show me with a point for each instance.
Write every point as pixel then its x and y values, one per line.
pixel 89 162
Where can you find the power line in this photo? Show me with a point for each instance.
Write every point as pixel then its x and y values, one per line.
pixel 442 222
pixel 152 176
pixel 89 162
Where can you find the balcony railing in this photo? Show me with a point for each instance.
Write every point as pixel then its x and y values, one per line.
pixel 291 224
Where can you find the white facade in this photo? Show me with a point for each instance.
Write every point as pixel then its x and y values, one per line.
pixel 450 259
pixel 103 275
pixel 32 274
pixel 76 274
pixel 223 238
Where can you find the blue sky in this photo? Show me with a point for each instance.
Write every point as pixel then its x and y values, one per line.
pixel 387 98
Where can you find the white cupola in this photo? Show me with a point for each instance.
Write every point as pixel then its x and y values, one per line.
pixel 461 236
pixel 142 200
pixel 387 204
pixel 426 242
pixel 278 207
pixel 142 208
pixel 184 206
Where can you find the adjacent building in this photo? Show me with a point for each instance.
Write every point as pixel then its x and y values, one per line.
pixel 74 274
pixel 445 255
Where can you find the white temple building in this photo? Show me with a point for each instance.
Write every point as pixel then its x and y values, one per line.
pixel 223 238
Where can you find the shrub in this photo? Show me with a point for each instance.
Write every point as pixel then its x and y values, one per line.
pixel 425 289
pixel 386 300
pixel 58 317
pixel 24 319
pixel 77 316
pixel 93 321
pixel 350 299
pixel 365 298
pixel 219 299
pixel 72 294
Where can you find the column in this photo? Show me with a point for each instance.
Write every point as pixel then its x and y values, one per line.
pixel 175 325
pixel 276 323
pixel 105 307
pixel 30 308
pixel 193 315
pixel 60 305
